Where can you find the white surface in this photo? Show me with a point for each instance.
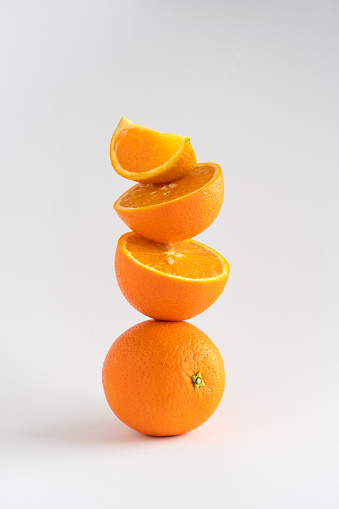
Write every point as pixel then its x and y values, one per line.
pixel 254 84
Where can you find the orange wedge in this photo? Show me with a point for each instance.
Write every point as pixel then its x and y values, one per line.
pixel 176 210
pixel 142 154
pixel 170 282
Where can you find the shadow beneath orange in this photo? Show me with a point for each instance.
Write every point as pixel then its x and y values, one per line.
pixel 92 432
pixel 86 430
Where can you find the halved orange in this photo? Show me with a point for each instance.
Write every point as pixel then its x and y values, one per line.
pixel 176 210
pixel 170 282
pixel 142 154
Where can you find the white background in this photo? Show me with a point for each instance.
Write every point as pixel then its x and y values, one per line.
pixel 255 86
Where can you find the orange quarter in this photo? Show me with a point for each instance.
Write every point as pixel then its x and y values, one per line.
pixel 145 155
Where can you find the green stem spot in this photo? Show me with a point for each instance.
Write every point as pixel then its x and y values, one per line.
pixel 197 381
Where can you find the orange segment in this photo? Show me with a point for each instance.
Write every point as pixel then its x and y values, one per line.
pixel 145 155
pixel 174 211
pixel 186 259
pixel 170 282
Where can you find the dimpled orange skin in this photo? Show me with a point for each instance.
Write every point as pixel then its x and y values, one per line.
pixel 147 377
pixel 179 219
pixel 160 297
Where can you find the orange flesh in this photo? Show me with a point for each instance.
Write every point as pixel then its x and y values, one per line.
pixel 140 150
pixel 145 195
pixel 187 259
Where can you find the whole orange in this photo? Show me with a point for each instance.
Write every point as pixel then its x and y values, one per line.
pixel 163 378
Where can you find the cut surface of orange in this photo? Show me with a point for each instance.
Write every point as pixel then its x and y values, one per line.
pixel 145 155
pixel 147 195
pixel 169 281
pixel 187 259
pixel 174 211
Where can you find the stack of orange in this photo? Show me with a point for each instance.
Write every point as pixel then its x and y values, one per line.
pixel 165 376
